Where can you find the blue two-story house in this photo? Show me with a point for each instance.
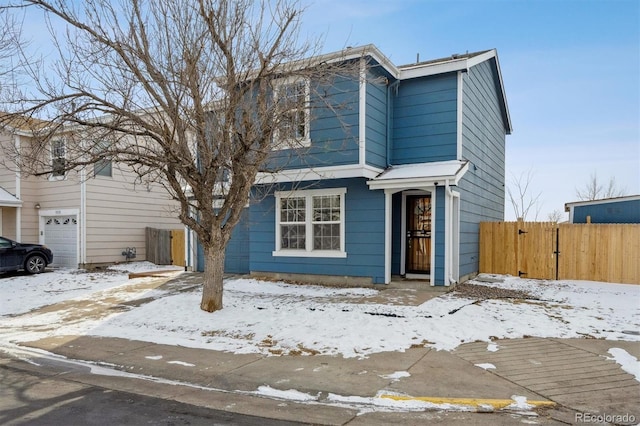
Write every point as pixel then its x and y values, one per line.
pixel 393 183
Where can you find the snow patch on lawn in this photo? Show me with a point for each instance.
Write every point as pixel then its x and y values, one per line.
pixel 275 318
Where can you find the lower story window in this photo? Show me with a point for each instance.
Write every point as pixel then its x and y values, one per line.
pixel 310 223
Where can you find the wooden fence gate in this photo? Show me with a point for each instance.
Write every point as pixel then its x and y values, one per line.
pixel 165 246
pixel 546 250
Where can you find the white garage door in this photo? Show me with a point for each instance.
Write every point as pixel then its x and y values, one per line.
pixel 61 236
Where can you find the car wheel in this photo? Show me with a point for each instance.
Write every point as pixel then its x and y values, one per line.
pixel 35 264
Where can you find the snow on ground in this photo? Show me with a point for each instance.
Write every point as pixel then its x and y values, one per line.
pixel 20 292
pixel 628 362
pixel 276 318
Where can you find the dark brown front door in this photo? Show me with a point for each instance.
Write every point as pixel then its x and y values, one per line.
pixel 418 259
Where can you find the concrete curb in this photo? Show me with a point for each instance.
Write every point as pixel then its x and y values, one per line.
pixel 476 403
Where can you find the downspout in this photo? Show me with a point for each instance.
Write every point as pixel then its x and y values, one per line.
pixel 189 249
pixel 387 235
pixel 362 114
pixel 83 216
pixel 449 232
pixel 459 115
pixel 18 192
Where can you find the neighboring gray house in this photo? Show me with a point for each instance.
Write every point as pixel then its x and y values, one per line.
pixel 86 218
pixel 402 194
pixel 609 210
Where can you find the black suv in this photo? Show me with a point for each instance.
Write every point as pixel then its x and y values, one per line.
pixel 14 256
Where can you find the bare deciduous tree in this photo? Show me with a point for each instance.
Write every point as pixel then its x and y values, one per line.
pixel 596 190
pixel 555 216
pixel 184 94
pixel 11 42
pixel 522 201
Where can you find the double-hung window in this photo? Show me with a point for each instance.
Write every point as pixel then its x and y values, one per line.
pixel 58 158
pixel 310 223
pixel 292 113
pixel 103 166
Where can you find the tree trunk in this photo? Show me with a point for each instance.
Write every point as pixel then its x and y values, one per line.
pixel 213 279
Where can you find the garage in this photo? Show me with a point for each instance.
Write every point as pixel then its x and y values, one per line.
pixel 61 236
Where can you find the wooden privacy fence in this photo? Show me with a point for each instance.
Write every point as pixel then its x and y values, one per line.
pixel 165 246
pixel 543 250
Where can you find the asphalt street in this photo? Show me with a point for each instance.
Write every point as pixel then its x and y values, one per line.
pixel 29 398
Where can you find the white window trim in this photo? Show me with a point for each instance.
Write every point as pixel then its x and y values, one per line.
pixel 52 177
pixel 306 140
pixel 97 173
pixel 308 195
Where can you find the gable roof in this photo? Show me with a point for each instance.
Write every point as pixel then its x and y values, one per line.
pixel 453 63
pixel 461 62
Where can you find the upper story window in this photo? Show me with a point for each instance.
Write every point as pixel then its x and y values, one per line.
pixel 102 167
pixel 58 158
pixel 292 100
pixel 310 223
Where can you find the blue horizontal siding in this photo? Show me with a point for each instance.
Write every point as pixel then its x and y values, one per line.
pixel 364 236
pixel 376 120
pixel 614 212
pixel 425 120
pixel 236 259
pixel 483 143
pixel 334 129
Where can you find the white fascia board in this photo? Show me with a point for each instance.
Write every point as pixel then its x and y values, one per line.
pixel 317 173
pixel 493 54
pixel 412 183
pixel 347 54
pixel 364 51
pixel 502 92
pixel 451 65
pixel 567 206
pixel 419 181
pixel 433 69
pixel 478 59
pixel 461 64
pixel 26 133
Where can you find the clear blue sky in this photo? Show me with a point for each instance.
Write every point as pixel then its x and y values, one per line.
pixel 571 71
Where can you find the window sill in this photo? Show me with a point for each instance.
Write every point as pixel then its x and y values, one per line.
pixel 315 253
pixel 291 144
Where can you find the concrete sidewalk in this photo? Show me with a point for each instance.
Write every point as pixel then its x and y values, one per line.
pixel 583 381
pixel 573 373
